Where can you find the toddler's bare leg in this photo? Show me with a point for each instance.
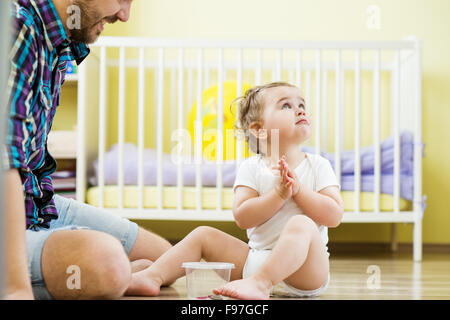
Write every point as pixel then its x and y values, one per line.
pixel 139 265
pixel 299 258
pixel 204 242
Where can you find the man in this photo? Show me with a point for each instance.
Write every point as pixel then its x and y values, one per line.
pixel 59 248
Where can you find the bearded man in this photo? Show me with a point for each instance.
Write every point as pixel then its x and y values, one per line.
pixel 58 248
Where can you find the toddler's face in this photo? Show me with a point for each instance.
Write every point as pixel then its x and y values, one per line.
pixel 285 110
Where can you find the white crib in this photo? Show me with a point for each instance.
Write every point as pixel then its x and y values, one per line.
pixel 375 84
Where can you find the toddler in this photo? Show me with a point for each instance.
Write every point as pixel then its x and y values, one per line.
pixel 285 203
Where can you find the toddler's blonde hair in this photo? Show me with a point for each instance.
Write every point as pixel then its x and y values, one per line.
pixel 250 109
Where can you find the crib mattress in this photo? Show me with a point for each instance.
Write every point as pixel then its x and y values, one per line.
pixel 209 198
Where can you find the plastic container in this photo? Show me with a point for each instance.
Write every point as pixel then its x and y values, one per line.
pixel 203 277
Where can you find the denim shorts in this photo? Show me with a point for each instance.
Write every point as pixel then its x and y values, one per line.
pixel 74 215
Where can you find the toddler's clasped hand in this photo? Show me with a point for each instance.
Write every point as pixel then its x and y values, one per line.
pixel 288 185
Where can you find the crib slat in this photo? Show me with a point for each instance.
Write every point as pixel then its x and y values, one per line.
pixel 173 97
pixel 102 127
pixel 324 122
pixel 308 96
pixel 343 104
pixel 121 126
pixel 318 104
pixel 239 142
pixel 207 76
pixel 259 68
pixel 219 144
pixel 298 67
pixel 159 126
pixel 279 65
pixel 396 122
pixel 357 129
pixel 417 85
pixel 199 131
pixel 81 164
pixel 180 127
pixel 417 71
pixel 141 131
pixel 376 132
pixel 291 76
pixel 337 132
pixel 190 86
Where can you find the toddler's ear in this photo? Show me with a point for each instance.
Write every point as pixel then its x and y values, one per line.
pixel 257 130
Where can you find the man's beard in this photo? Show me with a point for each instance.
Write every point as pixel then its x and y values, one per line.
pixel 89 20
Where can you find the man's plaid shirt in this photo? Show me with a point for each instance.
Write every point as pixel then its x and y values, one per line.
pixel 39 54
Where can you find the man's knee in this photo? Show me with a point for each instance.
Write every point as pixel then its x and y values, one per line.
pixel 103 267
pixel 112 267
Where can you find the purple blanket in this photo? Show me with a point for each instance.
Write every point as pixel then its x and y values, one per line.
pixel 367 156
pixel 209 171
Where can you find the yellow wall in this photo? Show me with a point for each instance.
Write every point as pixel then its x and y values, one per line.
pixel 329 20
pixel 66 115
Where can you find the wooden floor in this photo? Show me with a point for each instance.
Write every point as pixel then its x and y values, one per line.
pixel 371 276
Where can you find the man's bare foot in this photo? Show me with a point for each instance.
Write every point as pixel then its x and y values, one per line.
pixel 139 265
pixel 143 284
pixel 251 288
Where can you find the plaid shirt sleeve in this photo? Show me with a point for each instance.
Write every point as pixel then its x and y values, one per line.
pixel 23 65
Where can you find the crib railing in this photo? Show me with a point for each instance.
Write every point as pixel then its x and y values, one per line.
pixel 186 68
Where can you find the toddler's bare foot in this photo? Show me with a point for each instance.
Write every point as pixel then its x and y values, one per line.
pixel 251 288
pixel 143 284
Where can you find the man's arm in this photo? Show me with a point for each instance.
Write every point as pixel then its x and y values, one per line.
pixel 23 70
pixel 17 278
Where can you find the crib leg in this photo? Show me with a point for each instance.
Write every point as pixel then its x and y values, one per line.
pixel 394 243
pixel 417 246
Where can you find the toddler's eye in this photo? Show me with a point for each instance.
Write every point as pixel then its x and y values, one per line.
pixel 285 105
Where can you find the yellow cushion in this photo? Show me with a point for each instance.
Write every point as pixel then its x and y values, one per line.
pixel 209 198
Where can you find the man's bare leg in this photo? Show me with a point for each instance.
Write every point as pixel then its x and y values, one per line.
pixel 104 268
pixel 204 242
pixel 299 258
pixel 148 245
